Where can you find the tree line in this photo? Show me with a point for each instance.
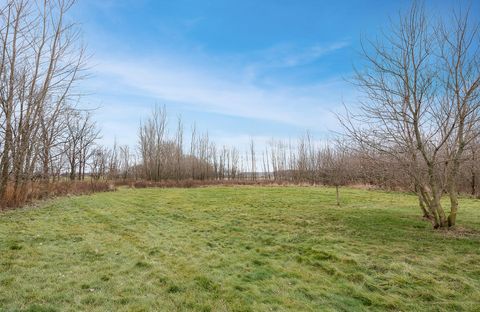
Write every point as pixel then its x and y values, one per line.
pixel 41 62
pixel 177 156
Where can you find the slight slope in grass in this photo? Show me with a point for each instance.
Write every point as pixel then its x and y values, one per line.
pixel 237 249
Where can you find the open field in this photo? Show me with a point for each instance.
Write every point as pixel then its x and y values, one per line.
pixel 237 249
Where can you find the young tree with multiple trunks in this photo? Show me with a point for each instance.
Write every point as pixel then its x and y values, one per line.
pixel 421 105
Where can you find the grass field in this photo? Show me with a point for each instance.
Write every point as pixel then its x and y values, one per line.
pixel 237 249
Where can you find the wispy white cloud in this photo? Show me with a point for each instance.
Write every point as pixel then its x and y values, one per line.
pixel 126 87
pixel 291 56
pixel 227 92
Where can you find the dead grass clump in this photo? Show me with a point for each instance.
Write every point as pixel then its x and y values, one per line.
pixel 38 190
pixel 459 232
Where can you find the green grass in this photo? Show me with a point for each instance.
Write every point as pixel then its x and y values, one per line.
pixel 237 249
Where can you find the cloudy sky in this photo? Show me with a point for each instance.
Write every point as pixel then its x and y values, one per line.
pixel 239 69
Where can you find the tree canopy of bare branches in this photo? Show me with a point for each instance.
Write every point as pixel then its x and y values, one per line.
pixel 40 62
pixel 421 87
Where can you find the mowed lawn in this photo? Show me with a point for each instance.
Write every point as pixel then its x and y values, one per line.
pixel 237 249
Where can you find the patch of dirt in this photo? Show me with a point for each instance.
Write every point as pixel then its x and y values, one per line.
pixel 460 232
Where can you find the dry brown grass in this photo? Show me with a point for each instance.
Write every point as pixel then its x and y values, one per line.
pixel 460 232
pixel 38 191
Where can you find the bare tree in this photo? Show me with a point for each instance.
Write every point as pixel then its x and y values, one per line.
pixel 253 160
pixel 421 85
pixel 99 163
pixel 125 164
pixel 40 62
pixel 334 164
pixel 179 150
pixel 82 133
pixel 152 137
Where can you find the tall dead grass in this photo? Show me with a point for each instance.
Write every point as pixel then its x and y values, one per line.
pixel 37 191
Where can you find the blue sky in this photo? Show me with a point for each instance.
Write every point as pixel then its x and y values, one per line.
pixel 239 69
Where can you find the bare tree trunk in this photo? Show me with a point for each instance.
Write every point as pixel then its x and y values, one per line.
pixel 5 163
pixel 337 193
pixel 421 203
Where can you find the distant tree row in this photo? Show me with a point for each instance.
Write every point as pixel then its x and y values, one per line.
pixel 339 162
